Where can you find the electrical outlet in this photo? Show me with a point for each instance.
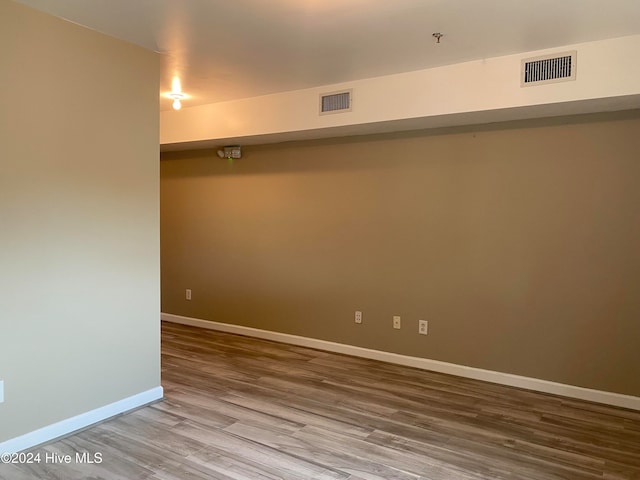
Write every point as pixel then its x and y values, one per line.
pixel 423 327
pixel 358 316
pixel 1 391
pixel 396 321
pixel 187 294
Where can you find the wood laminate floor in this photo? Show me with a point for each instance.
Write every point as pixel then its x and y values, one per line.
pixel 241 408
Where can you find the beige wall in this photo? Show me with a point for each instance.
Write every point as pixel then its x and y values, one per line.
pixel 79 240
pixel 519 244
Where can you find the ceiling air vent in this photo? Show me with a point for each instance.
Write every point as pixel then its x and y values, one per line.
pixel 549 69
pixel 335 102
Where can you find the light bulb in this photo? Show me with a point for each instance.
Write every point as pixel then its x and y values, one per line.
pixel 177 105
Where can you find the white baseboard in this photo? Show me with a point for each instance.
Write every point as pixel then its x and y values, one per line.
pixel 545 386
pixel 65 427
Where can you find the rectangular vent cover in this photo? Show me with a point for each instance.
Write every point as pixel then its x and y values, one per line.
pixel 549 69
pixel 336 102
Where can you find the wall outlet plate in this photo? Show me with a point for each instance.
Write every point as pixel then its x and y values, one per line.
pixel 396 322
pixel 358 316
pixel 423 327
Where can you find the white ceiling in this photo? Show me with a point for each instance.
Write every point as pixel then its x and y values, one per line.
pixel 229 49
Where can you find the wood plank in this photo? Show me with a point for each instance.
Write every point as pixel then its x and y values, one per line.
pixel 250 409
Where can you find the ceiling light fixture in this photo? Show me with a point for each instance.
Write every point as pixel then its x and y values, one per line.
pixel 176 94
pixel 177 97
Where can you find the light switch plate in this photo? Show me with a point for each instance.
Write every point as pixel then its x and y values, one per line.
pixel 1 391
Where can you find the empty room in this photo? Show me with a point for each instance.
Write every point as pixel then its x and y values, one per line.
pixel 339 239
